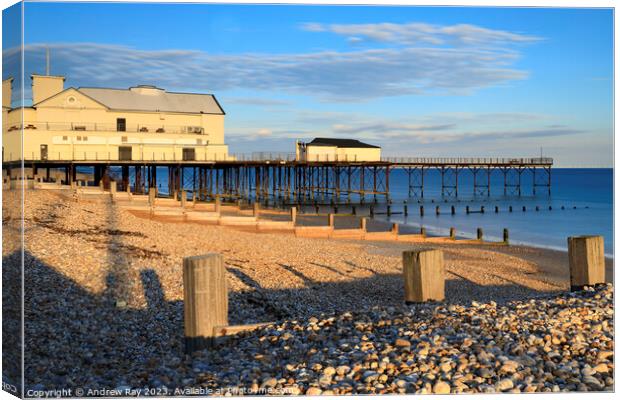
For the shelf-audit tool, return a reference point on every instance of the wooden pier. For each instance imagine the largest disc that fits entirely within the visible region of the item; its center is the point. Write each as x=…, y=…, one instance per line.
x=283, y=180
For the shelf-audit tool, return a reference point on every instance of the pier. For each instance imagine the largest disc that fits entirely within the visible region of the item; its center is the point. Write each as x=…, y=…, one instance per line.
x=280, y=178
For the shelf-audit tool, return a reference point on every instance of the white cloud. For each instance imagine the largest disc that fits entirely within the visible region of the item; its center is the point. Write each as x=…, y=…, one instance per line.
x=416, y=33
x=328, y=75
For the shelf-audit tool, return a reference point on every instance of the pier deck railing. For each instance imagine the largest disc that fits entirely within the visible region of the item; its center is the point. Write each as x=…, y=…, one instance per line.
x=468, y=160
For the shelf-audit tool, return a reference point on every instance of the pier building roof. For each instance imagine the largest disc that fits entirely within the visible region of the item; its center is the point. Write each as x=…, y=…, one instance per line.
x=342, y=143
x=151, y=98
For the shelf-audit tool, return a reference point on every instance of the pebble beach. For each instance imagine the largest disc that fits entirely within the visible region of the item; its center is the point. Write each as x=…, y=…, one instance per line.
x=104, y=311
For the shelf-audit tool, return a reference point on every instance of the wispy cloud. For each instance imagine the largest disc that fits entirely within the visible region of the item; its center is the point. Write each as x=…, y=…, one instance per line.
x=417, y=33
x=356, y=75
x=256, y=101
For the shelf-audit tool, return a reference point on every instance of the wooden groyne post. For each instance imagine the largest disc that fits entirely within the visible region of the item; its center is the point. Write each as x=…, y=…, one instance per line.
x=479, y=234
x=218, y=204
x=152, y=196
x=330, y=219
x=294, y=215
x=205, y=299
x=506, y=237
x=395, y=228
x=453, y=233
x=586, y=259
x=424, y=275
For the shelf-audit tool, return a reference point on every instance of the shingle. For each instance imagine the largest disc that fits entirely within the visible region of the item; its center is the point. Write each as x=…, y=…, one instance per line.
x=134, y=99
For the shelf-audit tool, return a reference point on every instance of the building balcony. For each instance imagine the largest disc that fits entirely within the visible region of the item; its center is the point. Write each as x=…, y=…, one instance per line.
x=106, y=127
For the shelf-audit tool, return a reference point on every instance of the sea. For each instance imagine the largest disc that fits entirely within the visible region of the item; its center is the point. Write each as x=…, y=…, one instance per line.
x=580, y=203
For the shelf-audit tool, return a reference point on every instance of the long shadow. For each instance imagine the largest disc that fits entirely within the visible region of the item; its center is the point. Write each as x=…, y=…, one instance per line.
x=75, y=338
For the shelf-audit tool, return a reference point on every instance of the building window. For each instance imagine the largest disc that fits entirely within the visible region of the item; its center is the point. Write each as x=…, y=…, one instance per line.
x=124, y=139
x=79, y=138
x=85, y=138
x=121, y=124
x=65, y=138
x=189, y=154
x=124, y=153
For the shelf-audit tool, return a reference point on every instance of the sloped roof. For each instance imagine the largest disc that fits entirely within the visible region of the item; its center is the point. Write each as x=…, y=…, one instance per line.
x=150, y=98
x=343, y=143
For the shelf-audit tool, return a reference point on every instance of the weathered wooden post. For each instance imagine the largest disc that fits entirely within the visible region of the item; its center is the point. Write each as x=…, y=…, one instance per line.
x=479, y=233
x=205, y=303
x=453, y=233
x=452, y=210
x=423, y=231
x=353, y=210
x=523, y=208
x=395, y=228
x=421, y=211
x=437, y=212
x=424, y=275
x=506, y=238
x=363, y=223
x=481, y=209
x=127, y=189
x=389, y=210
x=256, y=210
x=112, y=190
x=152, y=196
x=294, y=215
x=405, y=208
x=509, y=208
x=218, y=204
x=466, y=209
x=183, y=198
x=175, y=195
x=537, y=208
x=586, y=259
x=372, y=211
x=316, y=208
x=496, y=209
x=330, y=219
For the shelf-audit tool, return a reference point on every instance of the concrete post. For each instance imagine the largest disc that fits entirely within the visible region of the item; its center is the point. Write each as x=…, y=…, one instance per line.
x=424, y=275
x=183, y=198
x=586, y=258
x=112, y=188
x=205, y=299
x=294, y=215
x=330, y=219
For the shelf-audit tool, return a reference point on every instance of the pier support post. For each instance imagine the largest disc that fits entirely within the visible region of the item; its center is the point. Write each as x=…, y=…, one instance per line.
x=479, y=234
x=363, y=223
x=330, y=219
x=256, y=209
x=395, y=228
x=205, y=299
x=112, y=189
x=421, y=211
x=424, y=276
x=183, y=198
x=506, y=238
x=423, y=231
x=453, y=233
x=586, y=258
x=405, y=208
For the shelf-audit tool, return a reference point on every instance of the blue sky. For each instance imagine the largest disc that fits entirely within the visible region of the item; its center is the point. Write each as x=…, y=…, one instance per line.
x=418, y=81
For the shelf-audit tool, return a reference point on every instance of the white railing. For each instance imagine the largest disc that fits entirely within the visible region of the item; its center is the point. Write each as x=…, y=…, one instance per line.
x=469, y=160
x=106, y=127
